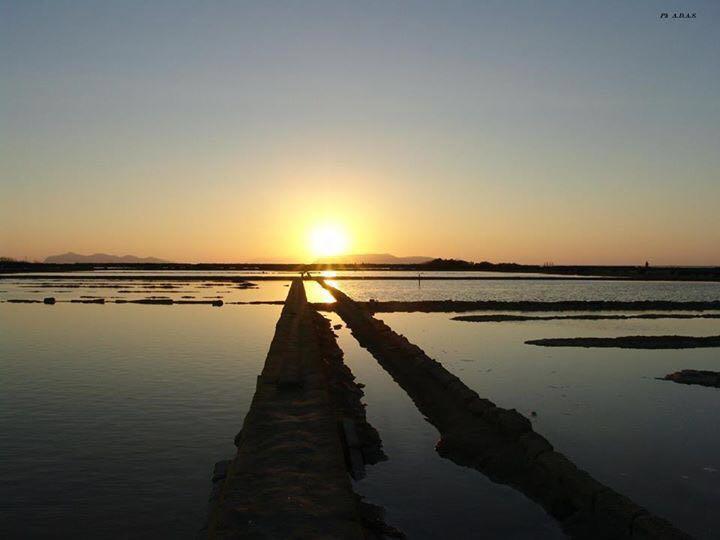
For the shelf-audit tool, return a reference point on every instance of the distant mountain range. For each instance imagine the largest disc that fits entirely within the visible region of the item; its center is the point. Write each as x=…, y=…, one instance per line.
x=372, y=258
x=360, y=258
x=99, y=258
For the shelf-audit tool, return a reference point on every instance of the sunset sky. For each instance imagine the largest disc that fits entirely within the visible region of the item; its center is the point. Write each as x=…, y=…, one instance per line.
x=565, y=131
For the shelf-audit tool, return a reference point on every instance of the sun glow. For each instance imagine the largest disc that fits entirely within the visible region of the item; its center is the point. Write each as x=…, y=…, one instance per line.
x=328, y=240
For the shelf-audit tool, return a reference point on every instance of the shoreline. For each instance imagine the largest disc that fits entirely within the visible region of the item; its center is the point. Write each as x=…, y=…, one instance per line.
x=649, y=273
x=631, y=342
x=290, y=277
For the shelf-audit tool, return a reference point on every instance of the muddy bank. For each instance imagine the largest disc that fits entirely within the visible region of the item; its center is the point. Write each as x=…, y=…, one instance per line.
x=290, y=477
x=498, y=442
x=169, y=302
x=520, y=318
x=694, y=376
x=632, y=342
x=158, y=301
x=259, y=303
x=429, y=306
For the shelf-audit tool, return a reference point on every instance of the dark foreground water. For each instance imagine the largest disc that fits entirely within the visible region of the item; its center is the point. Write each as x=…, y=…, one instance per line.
x=425, y=495
x=111, y=419
x=111, y=416
x=655, y=441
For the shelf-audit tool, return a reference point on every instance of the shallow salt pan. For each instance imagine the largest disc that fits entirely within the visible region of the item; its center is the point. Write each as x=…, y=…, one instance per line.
x=542, y=291
x=652, y=440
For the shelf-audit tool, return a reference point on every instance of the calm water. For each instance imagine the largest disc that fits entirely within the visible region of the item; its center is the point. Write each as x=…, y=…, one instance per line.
x=64, y=290
x=657, y=442
x=111, y=416
x=216, y=288
x=548, y=291
x=251, y=273
x=423, y=494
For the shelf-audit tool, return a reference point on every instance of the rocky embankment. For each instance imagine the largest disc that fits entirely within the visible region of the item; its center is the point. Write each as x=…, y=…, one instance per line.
x=632, y=342
x=429, y=306
x=290, y=477
x=498, y=442
x=362, y=441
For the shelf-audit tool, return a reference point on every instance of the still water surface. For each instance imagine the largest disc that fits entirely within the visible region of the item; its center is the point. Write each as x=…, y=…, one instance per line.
x=216, y=288
x=423, y=494
x=542, y=291
x=655, y=441
x=112, y=416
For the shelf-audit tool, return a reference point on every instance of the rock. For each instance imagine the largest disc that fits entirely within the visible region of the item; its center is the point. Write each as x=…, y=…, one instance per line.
x=512, y=423
x=647, y=526
x=478, y=406
x=618, y=512
x=220, y=470
x=350, y=433
x=534, y=444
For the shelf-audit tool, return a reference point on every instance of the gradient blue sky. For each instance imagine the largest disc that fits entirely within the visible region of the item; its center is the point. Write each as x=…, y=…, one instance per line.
x=576, y=132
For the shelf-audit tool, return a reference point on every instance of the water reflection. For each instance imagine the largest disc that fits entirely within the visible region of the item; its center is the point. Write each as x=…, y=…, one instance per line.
x=425, y=495
x=316, y=294
x=654, y=441
x=543, y=291
x=111, y=419
x=65, y=290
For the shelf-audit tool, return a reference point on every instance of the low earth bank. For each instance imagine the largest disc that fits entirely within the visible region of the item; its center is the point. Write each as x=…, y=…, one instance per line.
x=694, y=376
x=632, y=342
x=429, y=306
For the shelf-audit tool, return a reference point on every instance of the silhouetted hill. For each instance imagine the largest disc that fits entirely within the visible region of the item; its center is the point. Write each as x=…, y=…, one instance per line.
x=100, y=258
x=372, y=258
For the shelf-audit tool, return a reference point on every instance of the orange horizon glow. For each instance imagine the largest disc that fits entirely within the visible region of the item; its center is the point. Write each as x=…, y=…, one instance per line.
x=229, y=134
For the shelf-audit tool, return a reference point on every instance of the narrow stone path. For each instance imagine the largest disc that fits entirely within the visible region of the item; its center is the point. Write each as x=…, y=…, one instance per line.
x=289, y=478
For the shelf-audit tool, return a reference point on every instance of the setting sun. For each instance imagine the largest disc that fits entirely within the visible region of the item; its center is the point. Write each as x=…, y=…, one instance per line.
x=328, y=240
